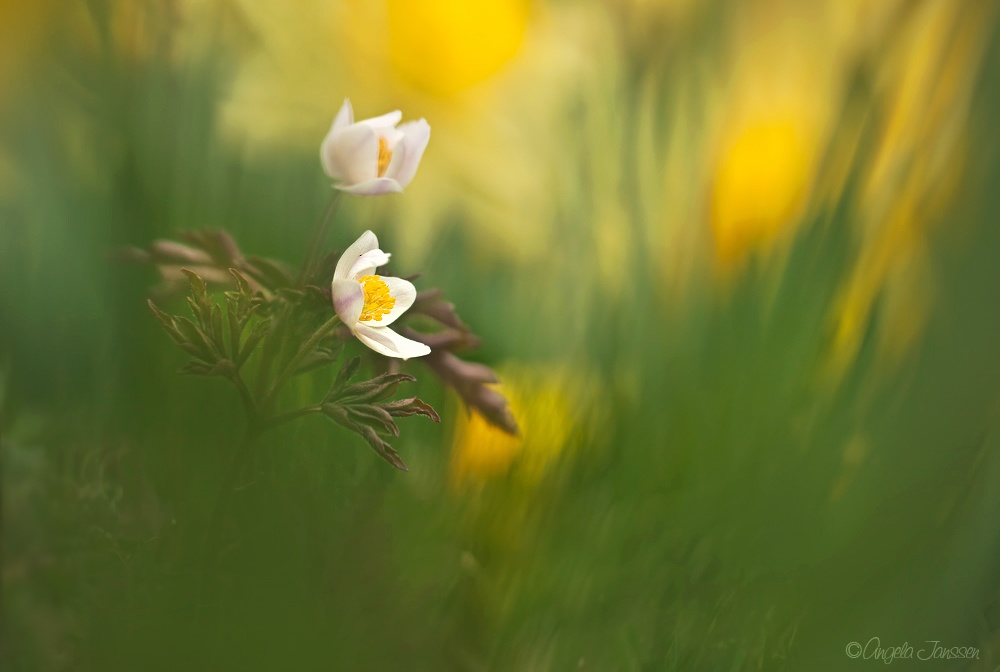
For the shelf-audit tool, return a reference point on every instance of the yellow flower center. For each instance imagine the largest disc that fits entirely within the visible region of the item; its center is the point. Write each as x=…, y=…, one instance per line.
x=377, y=299
x=384, y=157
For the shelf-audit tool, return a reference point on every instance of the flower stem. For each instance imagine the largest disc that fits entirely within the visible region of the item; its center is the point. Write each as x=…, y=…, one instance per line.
x=248, y=403
x=318, y=238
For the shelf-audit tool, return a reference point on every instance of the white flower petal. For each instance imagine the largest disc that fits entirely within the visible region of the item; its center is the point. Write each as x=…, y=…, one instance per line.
x=367, y=263
x=405, y=294
x=367, y=242
x=345, y=117
x=385, y=122
x=392, y=137
x=326, y=158
x=387, y=342
x=407, y=154
x=351, y=154
x=374, y=187
x=348, y=300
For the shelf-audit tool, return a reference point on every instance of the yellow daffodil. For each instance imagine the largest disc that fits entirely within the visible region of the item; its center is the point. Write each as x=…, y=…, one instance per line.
x=550, y=405
x=374, y=156
x=367, y=303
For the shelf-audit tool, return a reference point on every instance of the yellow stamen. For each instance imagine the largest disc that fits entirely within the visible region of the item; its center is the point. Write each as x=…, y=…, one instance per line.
x=377, y=299
x=384, y=157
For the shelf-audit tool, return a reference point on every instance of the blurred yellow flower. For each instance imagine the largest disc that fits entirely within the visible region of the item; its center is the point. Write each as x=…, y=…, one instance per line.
x=761, y=185
x=548, y=405
x=778, y=101
x=446, y=46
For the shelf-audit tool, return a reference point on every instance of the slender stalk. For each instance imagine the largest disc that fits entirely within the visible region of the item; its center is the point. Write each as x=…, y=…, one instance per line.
x=318, y=238
x=248, y=403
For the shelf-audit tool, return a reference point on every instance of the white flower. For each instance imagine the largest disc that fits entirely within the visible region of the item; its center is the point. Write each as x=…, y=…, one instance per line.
x=368, y=303
x=373, y=156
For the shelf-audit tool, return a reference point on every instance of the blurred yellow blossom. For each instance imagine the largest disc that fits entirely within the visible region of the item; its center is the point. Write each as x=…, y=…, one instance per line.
x=548, y=405
x=785, y=81
x=761, y=185
x=445, y=46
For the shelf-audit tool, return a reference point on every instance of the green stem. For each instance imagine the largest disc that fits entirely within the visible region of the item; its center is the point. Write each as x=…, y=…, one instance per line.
x=248, y=403
x=318, y=238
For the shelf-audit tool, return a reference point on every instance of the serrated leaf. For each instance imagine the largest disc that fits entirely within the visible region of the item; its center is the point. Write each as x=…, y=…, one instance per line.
x=384, y=450
x=344, y=376
x=198, y=290
x=243, y=295
x=235, y=328
x=217, y=336
x=471, y=381
x=196, y=337
x=242, y=285
x=197, y=312
x=193, y=350
x=411, y=406
x=253, y=340
x=319, y=358
x=195, y=368
x=374, y=417
x=339, y=415
x=167, y=322
x=376, y=389
x=343, y=418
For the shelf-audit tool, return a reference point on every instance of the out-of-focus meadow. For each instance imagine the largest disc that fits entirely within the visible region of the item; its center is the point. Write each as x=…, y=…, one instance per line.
x=736, y=263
